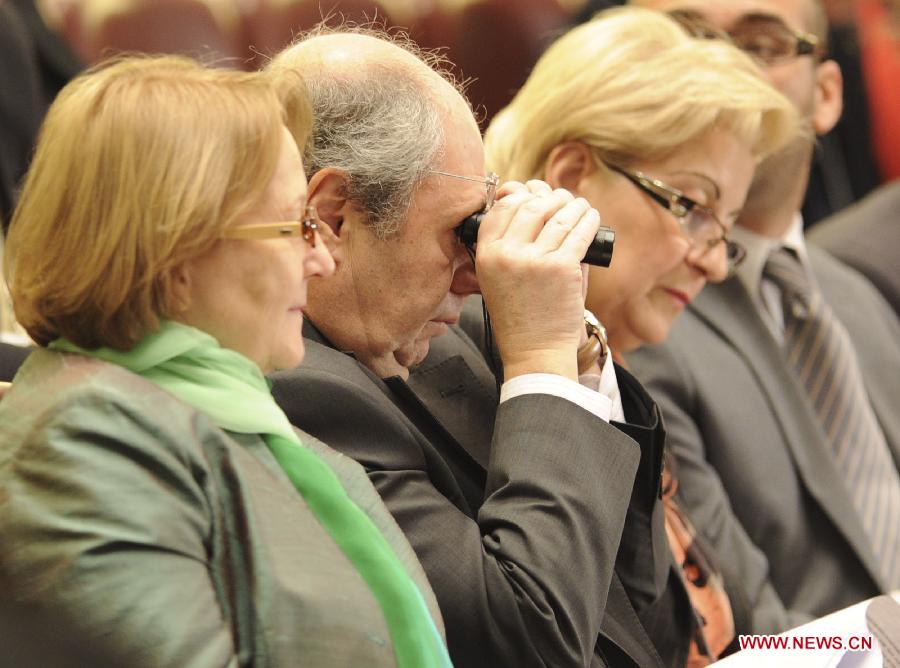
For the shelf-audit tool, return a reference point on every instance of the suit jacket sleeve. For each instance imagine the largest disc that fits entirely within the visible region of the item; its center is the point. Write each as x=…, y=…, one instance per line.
x=110, y=521
x=524, y=581
x=866, y=236
x=701, y=493
x=644, y=555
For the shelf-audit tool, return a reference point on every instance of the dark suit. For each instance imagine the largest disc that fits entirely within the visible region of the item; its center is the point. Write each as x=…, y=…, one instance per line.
x=867, y=237
x=753, y=462
x=21, y=105
x=34, y=64
x=11, y=358
x=516, y=512
x=843, y=167
x=57, y=62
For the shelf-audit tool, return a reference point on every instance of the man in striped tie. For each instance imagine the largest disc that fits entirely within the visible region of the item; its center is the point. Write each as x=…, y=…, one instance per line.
x=780, y=386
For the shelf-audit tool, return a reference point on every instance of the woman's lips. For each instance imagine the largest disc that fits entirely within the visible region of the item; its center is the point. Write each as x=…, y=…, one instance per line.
x=682, y=297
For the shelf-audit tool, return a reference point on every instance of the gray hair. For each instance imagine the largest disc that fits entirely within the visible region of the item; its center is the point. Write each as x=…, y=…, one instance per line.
x=384, y=131
x=381, y=123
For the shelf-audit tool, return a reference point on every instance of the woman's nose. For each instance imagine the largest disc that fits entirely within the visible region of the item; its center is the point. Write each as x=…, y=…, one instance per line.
x=712, y=261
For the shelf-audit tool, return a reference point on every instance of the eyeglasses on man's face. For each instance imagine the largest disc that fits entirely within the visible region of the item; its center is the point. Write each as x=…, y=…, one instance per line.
x=305, y=227
x=699, y=223
x=467, y=230
x=765, y=37
x=491, y=181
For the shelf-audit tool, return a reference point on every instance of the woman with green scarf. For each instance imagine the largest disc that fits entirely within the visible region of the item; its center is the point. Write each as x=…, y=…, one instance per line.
x=152, y=495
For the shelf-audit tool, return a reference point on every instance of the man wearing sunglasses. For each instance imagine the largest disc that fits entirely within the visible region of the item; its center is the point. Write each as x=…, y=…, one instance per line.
x=779, y=385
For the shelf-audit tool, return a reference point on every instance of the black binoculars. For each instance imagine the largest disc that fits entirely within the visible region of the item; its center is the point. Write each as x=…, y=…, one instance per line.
x=599, y=253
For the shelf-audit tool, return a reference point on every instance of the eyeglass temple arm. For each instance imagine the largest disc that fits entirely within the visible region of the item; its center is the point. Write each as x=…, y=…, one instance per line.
x=807, y=44
x=657, y=192
x=491, y=179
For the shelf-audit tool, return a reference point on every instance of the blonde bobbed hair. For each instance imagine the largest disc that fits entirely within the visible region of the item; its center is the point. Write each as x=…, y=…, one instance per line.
x=633, y=85
x=140, y=165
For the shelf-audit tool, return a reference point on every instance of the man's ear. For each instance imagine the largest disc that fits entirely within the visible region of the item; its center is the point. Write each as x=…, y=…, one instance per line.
x=567, y=165
x=327, y=191
x=829, y=97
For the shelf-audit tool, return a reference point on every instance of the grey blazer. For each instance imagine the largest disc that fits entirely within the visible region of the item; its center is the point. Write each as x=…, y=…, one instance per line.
x=516, y=511
x=867, y=237
x=753, y=464
x=165, y=541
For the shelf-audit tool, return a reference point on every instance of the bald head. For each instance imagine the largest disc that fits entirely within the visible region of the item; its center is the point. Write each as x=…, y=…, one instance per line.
x=381, y=106
x=364, y=54
x=351, y=53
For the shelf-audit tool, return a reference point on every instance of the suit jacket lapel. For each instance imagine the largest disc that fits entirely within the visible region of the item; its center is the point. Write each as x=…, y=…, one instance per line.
x=460, y=392
x=631, y=639
x=728, y=309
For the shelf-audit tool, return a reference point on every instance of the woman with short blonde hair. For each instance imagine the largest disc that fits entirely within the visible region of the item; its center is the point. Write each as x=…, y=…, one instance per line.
x=612, y=108
x=660, y=132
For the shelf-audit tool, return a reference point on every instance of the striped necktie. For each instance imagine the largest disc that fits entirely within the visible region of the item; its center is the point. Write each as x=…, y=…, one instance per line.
x=819, y=352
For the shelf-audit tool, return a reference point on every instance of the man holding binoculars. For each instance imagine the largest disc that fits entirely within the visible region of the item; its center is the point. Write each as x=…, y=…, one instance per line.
x=515, y=503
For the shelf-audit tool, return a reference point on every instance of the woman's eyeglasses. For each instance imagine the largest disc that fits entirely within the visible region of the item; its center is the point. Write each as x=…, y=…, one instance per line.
x=305, y=227
x=699, y=223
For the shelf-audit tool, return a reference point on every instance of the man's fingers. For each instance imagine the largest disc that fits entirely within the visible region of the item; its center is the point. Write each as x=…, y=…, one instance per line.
x=498, y=219
x=561, y=224
x=578, y=240
x=533, y=213
x=531, y=217
x=538, y=187
x=509, y=187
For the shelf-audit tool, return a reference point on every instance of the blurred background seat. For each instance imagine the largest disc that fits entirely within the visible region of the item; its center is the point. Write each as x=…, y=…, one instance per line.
x=433, y=25
x=274, y=23
x=497, y=42
x=209, y=32
x=492, y=44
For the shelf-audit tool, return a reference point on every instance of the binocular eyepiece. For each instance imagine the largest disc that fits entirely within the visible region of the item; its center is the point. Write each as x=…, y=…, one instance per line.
x=599, y=253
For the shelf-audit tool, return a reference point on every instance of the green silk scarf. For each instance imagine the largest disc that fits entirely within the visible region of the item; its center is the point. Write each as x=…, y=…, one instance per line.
x=232, y=391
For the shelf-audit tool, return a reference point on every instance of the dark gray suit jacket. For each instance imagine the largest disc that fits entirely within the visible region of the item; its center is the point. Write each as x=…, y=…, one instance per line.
x=516, y=512
x=753, y=463
x=867, y=237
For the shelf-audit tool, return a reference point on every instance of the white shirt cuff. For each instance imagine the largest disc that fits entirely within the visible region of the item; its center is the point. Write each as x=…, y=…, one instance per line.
x=608, y=385
x=564, y=388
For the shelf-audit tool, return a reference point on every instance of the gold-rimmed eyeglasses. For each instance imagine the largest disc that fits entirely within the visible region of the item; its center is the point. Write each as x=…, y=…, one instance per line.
x=305, y=227
x=699, y=223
